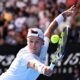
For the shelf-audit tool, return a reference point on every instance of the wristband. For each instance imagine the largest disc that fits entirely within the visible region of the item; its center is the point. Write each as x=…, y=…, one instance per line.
x=59, y=19
x=40, y=67
x=52, y=66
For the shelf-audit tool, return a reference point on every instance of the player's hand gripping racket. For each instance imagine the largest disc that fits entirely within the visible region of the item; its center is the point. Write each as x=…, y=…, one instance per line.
x=59, y=54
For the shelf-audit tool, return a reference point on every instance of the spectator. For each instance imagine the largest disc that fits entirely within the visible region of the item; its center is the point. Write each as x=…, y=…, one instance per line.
x=10, y=38
x=8, y=16
x=19, y=21
x=32, y=20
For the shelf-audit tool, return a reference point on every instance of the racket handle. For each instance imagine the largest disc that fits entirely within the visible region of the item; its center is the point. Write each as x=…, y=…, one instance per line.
x=52, y=66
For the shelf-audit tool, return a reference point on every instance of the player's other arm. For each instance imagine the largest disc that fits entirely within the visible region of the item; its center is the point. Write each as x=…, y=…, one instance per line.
x=40, y=67
x=57, y=21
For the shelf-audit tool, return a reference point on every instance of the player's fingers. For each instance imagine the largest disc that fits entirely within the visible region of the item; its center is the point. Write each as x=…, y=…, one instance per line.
x=48, y=71
x=71, y=9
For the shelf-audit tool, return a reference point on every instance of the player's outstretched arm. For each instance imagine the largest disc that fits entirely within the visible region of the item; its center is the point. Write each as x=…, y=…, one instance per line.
x=40, y=67
x=58, y=20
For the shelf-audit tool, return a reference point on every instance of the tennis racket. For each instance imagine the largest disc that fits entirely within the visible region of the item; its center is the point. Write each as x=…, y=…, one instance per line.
x=59, y=54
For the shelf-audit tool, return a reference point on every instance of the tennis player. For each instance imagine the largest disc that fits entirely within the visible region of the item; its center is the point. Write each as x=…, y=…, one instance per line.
x=30, y=60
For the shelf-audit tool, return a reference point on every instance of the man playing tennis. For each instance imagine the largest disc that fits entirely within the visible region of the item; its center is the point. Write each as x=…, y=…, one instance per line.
x=30, y=60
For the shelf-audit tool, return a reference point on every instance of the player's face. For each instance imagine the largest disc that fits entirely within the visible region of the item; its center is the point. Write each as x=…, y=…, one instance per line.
x=34, y=44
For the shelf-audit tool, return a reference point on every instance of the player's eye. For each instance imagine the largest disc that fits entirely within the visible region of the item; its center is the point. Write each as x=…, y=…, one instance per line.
x=37, y=41
x=31, y=41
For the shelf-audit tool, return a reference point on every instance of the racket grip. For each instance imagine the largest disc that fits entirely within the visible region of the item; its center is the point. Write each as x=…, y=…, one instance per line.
x=52, y=66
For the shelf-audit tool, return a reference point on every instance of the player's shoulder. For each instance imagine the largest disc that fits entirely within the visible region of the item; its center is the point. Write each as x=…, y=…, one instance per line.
x=23, y=50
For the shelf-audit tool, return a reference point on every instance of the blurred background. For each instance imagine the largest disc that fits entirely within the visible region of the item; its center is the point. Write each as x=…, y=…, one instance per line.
x=17, y=16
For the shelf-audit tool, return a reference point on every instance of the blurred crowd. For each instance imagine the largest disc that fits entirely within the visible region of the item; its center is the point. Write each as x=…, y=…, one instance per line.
x=16, y=16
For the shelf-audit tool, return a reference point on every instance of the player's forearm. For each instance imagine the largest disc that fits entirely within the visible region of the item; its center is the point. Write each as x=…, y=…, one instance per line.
x=50, y=29
x=54, y=25
x=40, y=67
x=58, y=20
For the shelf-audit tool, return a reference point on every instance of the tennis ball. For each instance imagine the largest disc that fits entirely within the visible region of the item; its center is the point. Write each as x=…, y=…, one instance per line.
x=54, y=38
